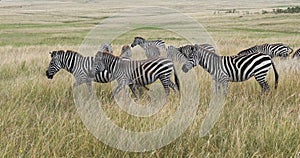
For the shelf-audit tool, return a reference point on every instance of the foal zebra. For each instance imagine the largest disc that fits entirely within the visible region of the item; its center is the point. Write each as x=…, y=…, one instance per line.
x=274, y=50
x=180, y=54
x=137, y=72
x=224, y=69
x=152, y=48
x=296, y=54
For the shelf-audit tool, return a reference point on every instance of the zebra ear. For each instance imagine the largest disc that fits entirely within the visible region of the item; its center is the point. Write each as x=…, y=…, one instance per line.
x=52, y=53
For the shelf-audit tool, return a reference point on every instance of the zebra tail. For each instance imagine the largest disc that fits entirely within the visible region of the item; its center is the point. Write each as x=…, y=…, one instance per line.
x=176, y=79
x=276, y=75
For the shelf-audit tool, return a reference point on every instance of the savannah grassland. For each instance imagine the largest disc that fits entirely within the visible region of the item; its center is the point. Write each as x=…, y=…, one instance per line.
x=38, y=117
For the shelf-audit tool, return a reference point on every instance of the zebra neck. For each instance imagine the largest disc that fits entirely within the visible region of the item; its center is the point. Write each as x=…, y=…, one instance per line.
x=209, y=61
x=71, y=63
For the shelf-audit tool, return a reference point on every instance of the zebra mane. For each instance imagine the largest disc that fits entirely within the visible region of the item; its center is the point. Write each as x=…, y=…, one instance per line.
x=197, y=47
x=141, y=38
x=110, y=55
x=62, y=52
x=151, y=41
x=265, y=44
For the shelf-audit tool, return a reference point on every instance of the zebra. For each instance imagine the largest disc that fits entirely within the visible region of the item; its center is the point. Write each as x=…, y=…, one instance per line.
x=180, y=54
x=274, y=50
x=238, y=68
x=152, y=48
x=296, y=55
x=137, y=72
x=126, y=53
x=79, y=66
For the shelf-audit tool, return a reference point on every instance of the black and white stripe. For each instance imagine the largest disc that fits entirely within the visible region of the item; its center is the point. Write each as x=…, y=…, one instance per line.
x=152, y=48
x=224, y=69
x=137, y=73
x=274, y=50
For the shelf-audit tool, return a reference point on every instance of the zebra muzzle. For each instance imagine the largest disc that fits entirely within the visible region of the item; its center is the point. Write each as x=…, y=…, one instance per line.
x=185, y=69
x=48, y=75
x=132, y=45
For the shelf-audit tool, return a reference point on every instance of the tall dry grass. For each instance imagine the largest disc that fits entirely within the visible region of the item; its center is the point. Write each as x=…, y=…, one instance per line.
x=38, y=117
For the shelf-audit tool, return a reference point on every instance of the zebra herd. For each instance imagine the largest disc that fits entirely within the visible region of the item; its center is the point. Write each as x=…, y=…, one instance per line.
x=106, y=67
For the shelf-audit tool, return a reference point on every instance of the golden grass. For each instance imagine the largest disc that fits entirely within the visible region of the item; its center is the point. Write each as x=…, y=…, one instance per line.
x=38, y=117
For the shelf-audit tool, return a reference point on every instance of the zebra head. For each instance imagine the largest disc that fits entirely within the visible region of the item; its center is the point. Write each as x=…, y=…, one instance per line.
x=186, y=50
x=137, y=41
x=280, y=50
x=55, y=64
x=192, y=59
x=106, y=47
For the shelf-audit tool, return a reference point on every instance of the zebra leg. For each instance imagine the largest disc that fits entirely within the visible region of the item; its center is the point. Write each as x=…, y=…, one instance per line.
x=145, y=88
x=265, y=88
x=165, y=82
x=117, y=90
x=89, y=84
x=221, y=87
x=132, y=88
x=173, y=86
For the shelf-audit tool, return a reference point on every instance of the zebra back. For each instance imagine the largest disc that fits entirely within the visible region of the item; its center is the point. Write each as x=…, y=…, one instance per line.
x=273, y=50
x=249, y=50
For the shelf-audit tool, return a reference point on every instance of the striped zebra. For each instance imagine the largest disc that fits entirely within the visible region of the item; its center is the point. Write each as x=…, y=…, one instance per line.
x=126, y=53
x=180, y=54
x=224, y=69
x=274, y=50
x=296, y=55
x=79, y=66
x=152, y=48
x=137, y=73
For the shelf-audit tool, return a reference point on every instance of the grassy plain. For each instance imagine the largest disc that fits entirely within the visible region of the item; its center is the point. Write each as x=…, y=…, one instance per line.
x=38, y=117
